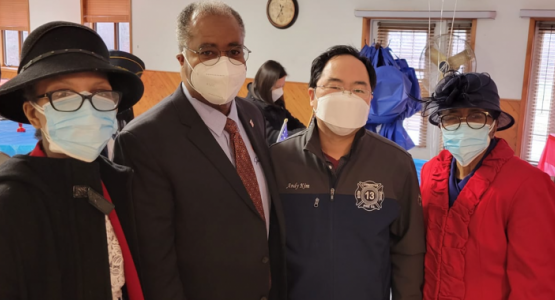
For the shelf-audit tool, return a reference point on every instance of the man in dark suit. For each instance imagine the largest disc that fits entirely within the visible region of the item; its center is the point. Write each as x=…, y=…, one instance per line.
x=209, y=220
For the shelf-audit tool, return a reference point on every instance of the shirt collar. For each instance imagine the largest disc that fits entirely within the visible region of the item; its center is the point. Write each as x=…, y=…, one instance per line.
x=312, y=140
x=461, y=183
x=212, y=117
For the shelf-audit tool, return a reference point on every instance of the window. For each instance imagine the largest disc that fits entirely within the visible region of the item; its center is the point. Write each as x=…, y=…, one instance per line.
x=110, y=18
x=114, y=35
x=408, y=39
x=12, y=42
x=540, y=113
x=14, y=26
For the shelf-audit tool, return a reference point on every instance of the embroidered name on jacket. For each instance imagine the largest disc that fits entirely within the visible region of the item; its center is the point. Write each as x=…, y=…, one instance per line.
x=369, y=195
x=296, y=186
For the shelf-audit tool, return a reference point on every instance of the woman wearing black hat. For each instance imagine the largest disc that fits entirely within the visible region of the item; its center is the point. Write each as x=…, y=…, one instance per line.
x=131, y=63
x=60, y=236
x=490, y=216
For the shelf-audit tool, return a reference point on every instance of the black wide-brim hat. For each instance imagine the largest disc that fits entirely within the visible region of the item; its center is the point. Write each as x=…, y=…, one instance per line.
x=468, y=90
x=127, y=61
x=61, y=48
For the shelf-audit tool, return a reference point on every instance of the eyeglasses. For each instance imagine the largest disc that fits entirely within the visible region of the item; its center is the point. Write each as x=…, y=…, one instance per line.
x=475, y=120
x=362, y=93
x=64, y=100
x=211, y=55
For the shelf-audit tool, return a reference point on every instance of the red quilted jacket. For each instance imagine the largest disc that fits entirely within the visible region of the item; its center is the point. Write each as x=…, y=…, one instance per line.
x=497, y=241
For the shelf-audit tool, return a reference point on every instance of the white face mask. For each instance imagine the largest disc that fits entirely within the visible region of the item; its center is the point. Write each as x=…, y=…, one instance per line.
x=276, y=94
x=220, y=83
x=343, y=113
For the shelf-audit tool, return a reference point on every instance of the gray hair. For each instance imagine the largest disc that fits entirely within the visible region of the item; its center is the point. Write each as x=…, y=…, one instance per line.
x=202, y=8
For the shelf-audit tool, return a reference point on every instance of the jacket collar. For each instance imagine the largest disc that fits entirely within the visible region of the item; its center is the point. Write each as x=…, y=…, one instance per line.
x=58, y=175
x=478, y=184
x=213, y=118
x=312, y=143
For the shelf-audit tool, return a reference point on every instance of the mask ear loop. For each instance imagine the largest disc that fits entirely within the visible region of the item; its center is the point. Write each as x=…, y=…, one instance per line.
x=191, y=74
x=37, y=107
x=44, y=130
x=492, y=126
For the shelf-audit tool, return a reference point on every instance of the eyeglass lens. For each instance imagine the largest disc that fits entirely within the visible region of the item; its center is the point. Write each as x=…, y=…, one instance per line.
x=474, y=121
x=69, y=101
x=210, y=55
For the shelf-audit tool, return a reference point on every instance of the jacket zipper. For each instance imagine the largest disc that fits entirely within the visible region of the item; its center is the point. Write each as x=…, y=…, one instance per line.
x=333, y=181
x=334, y=175
x=316, y=202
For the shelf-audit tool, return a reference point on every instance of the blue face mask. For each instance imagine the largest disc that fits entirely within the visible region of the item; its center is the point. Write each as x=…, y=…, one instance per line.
x=81, y=134
x=465, y=143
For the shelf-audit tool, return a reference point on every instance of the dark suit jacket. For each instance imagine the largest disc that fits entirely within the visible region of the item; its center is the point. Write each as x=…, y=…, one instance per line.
x=200, y=236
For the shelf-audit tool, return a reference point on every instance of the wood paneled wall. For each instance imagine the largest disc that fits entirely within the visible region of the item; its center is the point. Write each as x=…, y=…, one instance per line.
x=158, y=85
x=512, y=107
x=8, y=72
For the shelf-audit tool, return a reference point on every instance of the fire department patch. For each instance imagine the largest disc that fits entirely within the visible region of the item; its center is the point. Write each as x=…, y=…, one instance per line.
x=369, y=195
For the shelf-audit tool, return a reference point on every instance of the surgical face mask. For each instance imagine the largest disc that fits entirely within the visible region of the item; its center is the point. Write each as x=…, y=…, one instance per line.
x=465, y=143
x=343, y=113
x=81, y=134
x=276, y=94
x=219, y=83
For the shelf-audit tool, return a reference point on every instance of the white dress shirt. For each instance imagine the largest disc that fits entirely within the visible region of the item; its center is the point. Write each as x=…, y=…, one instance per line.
x=216, y=121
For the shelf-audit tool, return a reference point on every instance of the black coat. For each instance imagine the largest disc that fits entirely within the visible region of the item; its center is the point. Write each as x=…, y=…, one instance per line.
x=200, y=235
x=274, y=116
x=52, y=245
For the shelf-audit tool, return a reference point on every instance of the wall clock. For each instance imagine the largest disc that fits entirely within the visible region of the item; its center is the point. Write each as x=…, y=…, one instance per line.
x=282, y=13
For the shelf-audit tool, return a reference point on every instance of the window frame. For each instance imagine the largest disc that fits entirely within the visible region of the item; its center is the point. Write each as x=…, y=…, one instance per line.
x=527, y=87
x=366, y=39
x=9, y=72
x=115, y=21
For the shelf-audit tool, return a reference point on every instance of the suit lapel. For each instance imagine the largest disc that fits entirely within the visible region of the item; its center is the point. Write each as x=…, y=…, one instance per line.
x=202, y=138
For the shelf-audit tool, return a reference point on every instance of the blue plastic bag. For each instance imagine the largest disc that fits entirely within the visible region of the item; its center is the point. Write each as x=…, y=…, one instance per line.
x=411, y=75
x=391, y=103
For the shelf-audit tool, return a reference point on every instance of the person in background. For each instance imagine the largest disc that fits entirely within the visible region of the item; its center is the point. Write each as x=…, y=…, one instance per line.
x=266, y=91
x=60, y=236
x=490, y=215
x=131, y=63
x=209, y=219
x=354, y=222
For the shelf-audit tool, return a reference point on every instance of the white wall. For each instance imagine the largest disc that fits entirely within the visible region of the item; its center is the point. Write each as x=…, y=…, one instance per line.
x=500, y=43
x=41, y=11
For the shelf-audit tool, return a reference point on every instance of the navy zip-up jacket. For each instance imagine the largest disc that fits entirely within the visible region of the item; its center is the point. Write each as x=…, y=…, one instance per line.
x=355, y=233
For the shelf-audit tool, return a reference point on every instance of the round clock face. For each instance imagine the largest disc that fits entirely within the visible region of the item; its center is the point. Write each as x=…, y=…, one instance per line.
x=282, y=13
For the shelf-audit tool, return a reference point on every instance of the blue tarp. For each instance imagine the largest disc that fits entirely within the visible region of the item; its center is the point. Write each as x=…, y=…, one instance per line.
x=391, y=103
x=13, y=142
